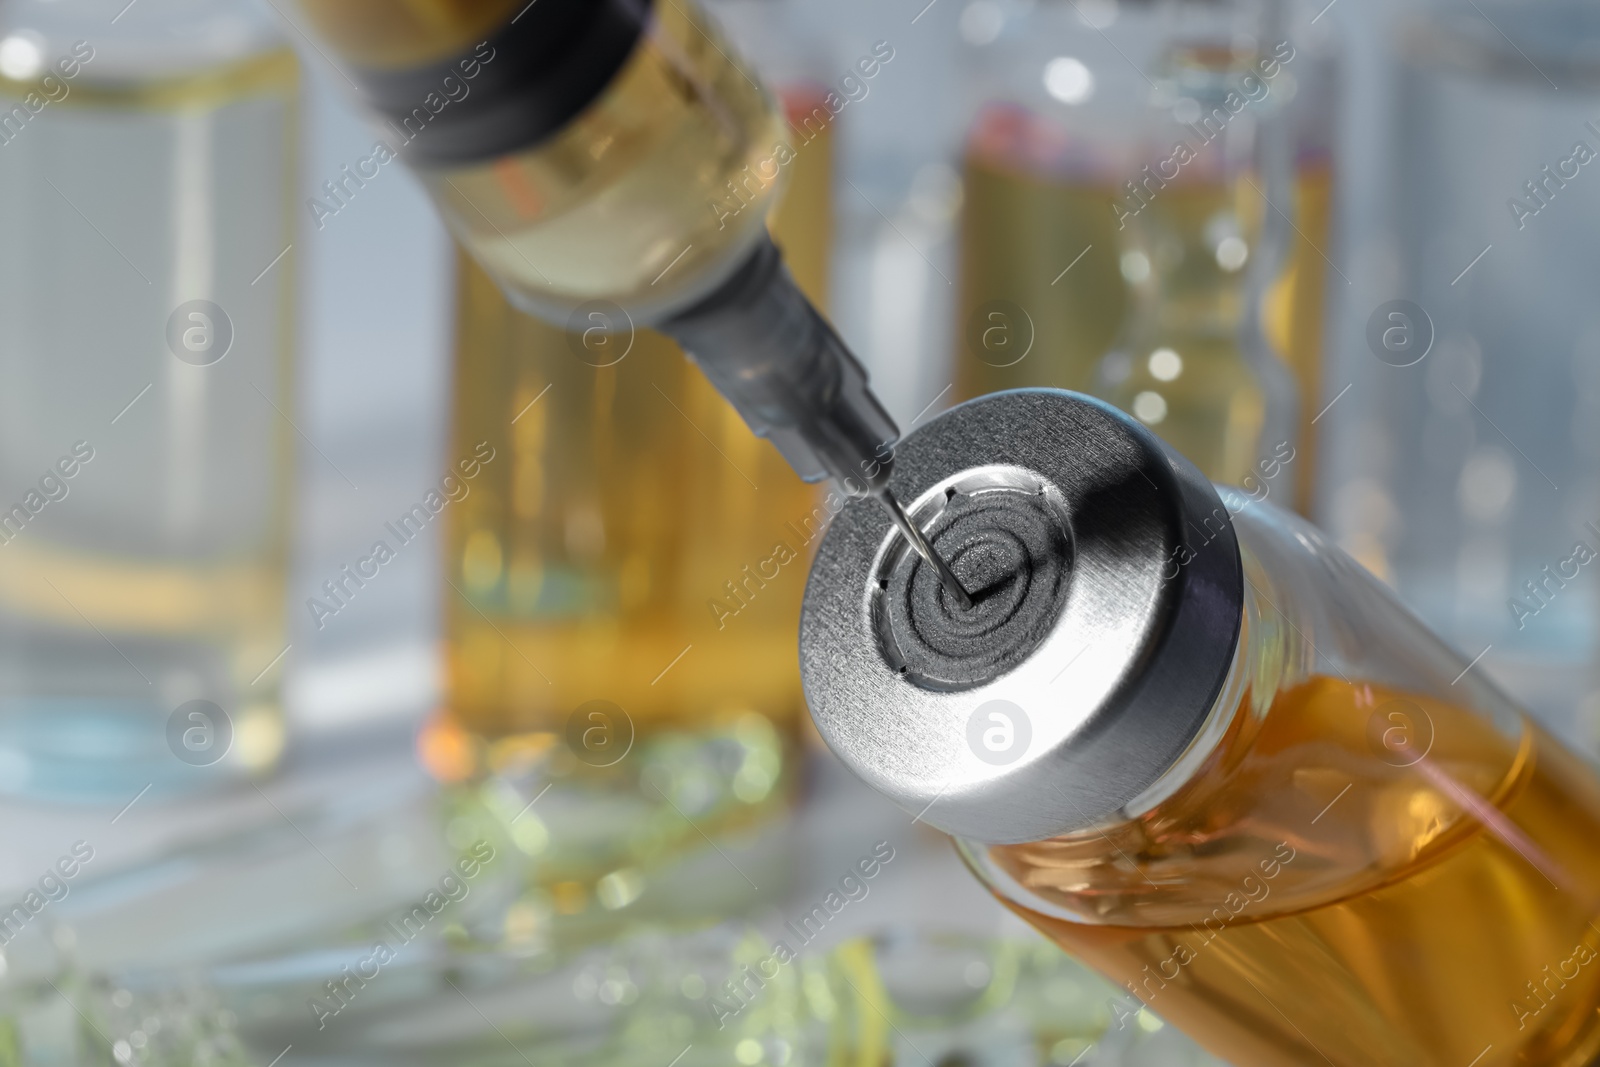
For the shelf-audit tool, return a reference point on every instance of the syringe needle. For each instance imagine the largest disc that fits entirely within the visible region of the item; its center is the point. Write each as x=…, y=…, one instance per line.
x=768, y=350
x=947, y=577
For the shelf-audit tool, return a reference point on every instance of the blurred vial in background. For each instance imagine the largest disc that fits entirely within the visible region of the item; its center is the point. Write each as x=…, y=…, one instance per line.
x=1040, y=169
x=1306, y=294
x=1471, y=480
x=627, y=571
x=1117, y=235
x=780, y=39
x=908, y=996
x=1191, y=361
x=147, y=168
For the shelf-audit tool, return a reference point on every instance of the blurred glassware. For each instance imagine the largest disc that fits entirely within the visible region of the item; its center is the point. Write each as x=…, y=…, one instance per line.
x=1471, y=477
x=781, y=39
x=1088, y=233
x=264, y=920
x=319, y=881
x=1308, y=292
x=147, y=175
x=903, y=997
x=1040, y=170
x=625, y=577
x=1201, y=246
x=230, y=949
x=952, y=998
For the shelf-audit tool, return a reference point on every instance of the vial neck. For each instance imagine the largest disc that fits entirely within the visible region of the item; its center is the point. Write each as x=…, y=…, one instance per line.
x=1230, y=704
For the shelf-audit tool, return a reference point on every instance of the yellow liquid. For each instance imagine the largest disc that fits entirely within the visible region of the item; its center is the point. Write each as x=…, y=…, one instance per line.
x=633, y=200
x=1209, y=404
x=592, y=559
x=383, y=34
x=1306, y=901
x=1018, y=232
x=159, y=577
x=1023, y=226
x=1293, y=316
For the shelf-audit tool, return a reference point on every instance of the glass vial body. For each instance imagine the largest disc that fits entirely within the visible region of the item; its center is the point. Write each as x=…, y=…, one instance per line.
x=1369, y=856
x=1046, y=146
x=147, y=161
x=1112, y=212
x=631, y=560
x=1466, y=462
x=1200, y=247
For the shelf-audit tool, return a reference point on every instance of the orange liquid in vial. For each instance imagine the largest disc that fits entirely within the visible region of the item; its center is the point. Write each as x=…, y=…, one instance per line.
x=1361, y=877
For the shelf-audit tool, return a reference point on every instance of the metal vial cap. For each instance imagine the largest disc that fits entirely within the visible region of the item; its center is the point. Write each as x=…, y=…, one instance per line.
x=1108, y=595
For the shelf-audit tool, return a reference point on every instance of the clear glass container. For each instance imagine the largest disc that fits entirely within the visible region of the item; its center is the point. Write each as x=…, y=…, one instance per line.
x=231, y=947
x=1468, y=474
x=147, y=181
x=1367, y=855
x=1191, y=361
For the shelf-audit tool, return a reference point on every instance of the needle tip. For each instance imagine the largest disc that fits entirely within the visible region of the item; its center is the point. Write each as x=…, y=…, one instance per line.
x=947, y=577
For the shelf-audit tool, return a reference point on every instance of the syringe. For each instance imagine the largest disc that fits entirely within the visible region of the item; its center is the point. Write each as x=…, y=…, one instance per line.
x=584, y=152
x=785, y=370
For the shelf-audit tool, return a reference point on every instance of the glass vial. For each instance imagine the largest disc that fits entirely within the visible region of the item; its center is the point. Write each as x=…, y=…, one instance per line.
x=147, y=162
x=1468, y=447
x=624, y=576
x=1208, y=754
x=627, y=565
x=1200, y=245
x=1116, y=231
